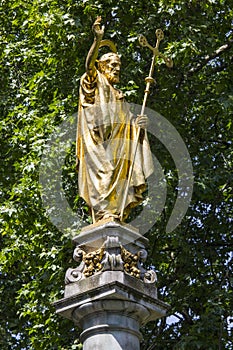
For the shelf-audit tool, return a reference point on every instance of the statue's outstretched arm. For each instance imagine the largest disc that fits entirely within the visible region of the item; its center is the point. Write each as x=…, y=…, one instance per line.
x=93, y=53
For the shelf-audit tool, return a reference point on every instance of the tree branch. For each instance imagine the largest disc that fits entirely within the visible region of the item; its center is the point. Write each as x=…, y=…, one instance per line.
x=210, y=57
x=187, y=317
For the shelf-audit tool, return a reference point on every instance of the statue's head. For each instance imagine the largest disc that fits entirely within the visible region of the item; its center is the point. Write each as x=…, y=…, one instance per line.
x=110, y=64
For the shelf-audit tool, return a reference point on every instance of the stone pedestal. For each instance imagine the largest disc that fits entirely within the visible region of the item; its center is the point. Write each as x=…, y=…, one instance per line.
x=109, y=295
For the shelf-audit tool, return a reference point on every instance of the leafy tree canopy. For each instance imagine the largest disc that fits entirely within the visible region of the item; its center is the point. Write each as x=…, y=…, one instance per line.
x=43, y=50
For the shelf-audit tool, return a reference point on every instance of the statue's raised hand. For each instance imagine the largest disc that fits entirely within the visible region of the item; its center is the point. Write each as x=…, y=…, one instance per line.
x=97, y=30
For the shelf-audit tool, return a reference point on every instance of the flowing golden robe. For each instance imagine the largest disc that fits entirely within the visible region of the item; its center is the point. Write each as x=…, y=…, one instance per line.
x=106, y=137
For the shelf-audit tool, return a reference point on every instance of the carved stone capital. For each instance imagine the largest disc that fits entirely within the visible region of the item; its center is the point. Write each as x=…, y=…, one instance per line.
x=111, y=256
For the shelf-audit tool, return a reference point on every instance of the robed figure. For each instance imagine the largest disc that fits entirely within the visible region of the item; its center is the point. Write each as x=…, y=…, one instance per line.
x=106, y=137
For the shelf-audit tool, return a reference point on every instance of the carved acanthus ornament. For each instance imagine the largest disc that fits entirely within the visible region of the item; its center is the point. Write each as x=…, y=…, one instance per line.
x=112, y=256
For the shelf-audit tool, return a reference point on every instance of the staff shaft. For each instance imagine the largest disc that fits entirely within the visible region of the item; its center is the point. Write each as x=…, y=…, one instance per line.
x=149, y=80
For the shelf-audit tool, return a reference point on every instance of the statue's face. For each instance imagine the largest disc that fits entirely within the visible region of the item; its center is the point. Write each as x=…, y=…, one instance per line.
x=111, y=69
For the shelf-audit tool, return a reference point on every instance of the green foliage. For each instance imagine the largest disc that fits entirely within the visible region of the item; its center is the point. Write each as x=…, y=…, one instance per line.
x=43, y=49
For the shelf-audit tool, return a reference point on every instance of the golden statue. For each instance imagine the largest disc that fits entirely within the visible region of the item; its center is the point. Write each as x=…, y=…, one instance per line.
x=106, y=136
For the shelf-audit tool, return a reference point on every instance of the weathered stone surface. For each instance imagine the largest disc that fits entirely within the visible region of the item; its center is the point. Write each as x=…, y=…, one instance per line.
x=100, y=248
x=112, y=302
x=110, y=307
x=114, y=285
x=110, y=324
x=108, y=278
x=93, y=236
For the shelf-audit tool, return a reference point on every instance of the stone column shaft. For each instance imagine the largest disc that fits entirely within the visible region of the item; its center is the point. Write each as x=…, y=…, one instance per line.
x=109, y=324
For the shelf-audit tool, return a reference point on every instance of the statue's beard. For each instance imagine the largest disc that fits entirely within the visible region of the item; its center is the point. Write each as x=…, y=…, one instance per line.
x=113, y=77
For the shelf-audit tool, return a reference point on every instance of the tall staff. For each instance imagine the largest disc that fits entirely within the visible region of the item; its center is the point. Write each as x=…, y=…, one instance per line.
x=149, y=80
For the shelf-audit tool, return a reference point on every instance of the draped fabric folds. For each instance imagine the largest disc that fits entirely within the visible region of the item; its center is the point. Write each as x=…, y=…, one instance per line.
x=106, y=137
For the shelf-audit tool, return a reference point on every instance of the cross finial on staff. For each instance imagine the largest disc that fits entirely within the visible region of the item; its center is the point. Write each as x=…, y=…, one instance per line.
x=160, y=36
x=156, y=53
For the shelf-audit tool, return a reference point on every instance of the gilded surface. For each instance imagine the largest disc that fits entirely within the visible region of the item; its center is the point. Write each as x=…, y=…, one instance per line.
x=130, y=262
x=111, y=256
x=107, y=132
x=93, y=262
